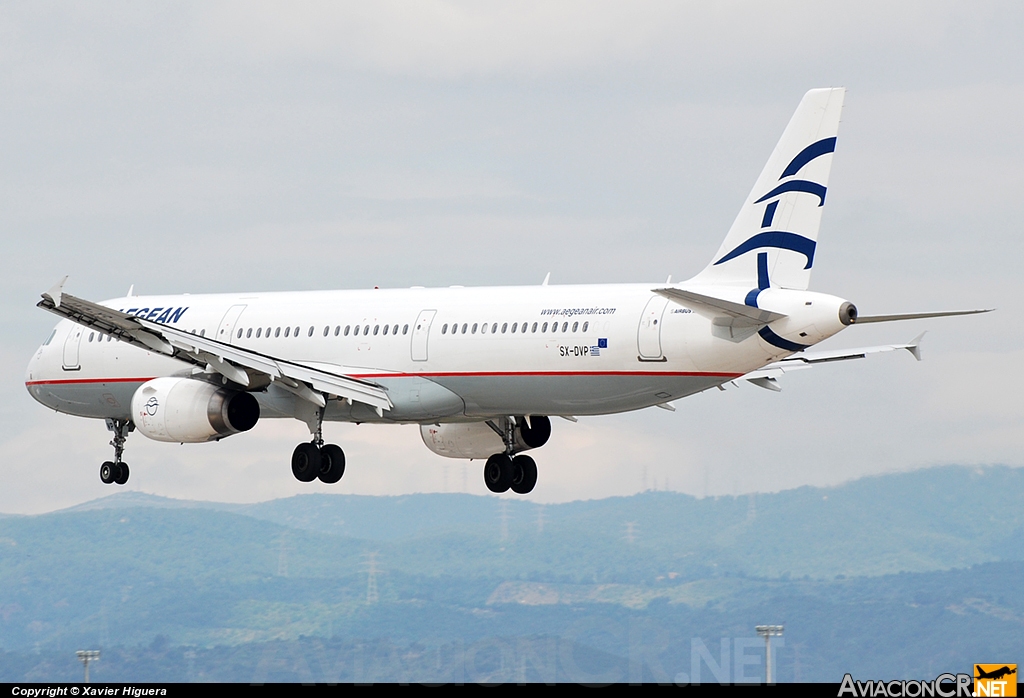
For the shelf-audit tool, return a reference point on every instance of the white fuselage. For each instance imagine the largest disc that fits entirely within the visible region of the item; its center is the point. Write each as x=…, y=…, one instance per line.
x=443, y=355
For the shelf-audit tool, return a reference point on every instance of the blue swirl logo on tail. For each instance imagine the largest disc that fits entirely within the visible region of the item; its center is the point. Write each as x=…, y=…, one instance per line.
x=778, y=238
x=775, y=238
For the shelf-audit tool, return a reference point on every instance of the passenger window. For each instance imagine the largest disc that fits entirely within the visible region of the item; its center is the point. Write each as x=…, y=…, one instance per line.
x=386, y=328
x=444, y=328
x=494, y=328
x=376, y=328
x=483, y=330
x=565, y=326
x=464, y=326
x=248, y=333
x=310, y=333
x=366, y=330
x=327, y=330
x=585, y=326
x=405, y=329
x=505, y=327
x=277, y=332
x=202, y=333
x=355, y=332
x=474, y=328
x=514, y=326
x=287, y=331
x=535, y=327
x=542, y=329
x=258, y=332
x=268, y=333
x=239, y=335
x=394, y=330
x=91, y=335
x=337, y=330
x=346, y=330
x=575, y=325
x=296, y=331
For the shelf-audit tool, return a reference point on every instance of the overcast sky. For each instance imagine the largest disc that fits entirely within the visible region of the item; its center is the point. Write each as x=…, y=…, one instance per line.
x=256, y=146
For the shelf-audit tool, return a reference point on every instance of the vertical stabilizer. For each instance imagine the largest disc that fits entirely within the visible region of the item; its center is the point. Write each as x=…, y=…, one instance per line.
x=782, y=214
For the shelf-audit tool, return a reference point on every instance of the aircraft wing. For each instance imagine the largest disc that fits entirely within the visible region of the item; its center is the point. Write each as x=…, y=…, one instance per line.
x=248, y=368
x=766, y=376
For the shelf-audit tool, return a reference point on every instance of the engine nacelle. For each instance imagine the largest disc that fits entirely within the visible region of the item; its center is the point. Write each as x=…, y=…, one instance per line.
x=183, y=410
x=479, y=440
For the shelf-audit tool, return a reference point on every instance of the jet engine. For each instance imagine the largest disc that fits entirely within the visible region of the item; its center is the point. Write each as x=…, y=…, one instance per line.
x=479, y=440
x=184, y=410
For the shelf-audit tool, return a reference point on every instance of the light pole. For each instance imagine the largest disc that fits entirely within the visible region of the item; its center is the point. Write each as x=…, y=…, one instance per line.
x=766, y=631
x=86, y=656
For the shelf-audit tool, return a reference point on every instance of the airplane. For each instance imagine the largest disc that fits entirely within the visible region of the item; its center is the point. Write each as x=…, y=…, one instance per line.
x=481, y=370
x=995, y=674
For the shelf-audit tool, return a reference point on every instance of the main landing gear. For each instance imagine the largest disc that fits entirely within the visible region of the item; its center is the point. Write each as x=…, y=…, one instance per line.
x=504, y=471
x=117, y=470
x=318, y=460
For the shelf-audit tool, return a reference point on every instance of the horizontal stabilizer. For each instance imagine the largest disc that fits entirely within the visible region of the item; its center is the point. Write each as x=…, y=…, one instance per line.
x=716, y=307
x=863, y=319
x=766, y=382
x=808, y=359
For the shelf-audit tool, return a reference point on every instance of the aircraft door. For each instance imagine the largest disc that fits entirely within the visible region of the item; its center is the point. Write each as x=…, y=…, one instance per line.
x=648, y=336
x=226, y=331
x=421, y=333
x=71, y=345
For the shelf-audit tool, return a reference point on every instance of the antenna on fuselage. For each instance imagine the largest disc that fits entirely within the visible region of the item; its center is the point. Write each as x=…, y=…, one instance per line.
x=546, y=280
x=131, y=291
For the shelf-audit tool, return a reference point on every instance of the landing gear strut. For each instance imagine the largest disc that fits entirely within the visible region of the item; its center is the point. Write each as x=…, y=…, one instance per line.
x=504, y=471
x=318, y=460
x=117, y=470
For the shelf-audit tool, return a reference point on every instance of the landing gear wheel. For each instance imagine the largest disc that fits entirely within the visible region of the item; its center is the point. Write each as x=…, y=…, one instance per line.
x=108, y=472
x=306, y=462
x=498, y=472
x=122, y=473
x=332, y=463
x=524, y=474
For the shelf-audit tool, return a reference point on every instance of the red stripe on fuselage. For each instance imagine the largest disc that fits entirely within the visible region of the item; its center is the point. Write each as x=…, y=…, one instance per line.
x=71, y=381
x=452, y=374
x=476, y=374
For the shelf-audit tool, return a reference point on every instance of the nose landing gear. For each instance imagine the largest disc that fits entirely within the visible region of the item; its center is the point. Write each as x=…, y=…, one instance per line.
x=116, y=471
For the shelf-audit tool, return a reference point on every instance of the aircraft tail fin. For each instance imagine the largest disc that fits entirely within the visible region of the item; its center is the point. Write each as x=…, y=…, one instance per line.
x=773, y=239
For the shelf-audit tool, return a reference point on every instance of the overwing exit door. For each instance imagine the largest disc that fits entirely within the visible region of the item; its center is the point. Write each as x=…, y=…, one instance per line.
x=225, y=333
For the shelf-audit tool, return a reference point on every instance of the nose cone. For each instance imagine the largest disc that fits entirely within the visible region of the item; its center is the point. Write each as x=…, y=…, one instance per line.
x=32, y=369
x=31, y=375
x=36, y=371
